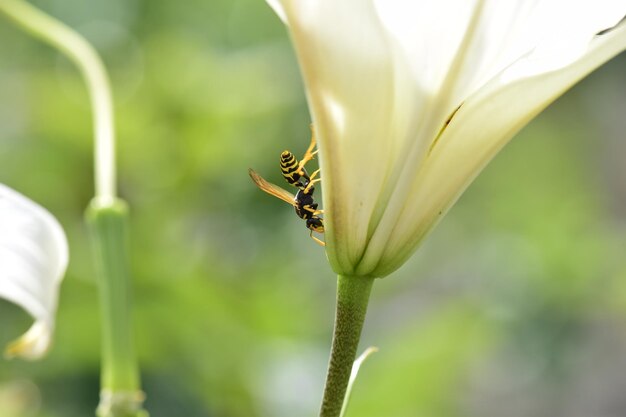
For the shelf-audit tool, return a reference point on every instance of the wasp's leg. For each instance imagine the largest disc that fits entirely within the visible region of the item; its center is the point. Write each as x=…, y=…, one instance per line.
x=319, y=242
x=311, y=181
x=314, y=174
x=310, y=184
x=309, y=154
x=313, y=210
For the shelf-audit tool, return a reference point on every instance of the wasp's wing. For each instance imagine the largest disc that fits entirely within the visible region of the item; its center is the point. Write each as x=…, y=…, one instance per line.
x=272, y=189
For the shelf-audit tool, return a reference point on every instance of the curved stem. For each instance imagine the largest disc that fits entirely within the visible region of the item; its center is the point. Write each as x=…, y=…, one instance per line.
x=352, y=298
x=76, y=48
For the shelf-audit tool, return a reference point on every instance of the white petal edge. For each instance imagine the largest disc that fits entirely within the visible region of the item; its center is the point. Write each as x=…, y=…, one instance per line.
x=33, y=258
x=483, y=125
x=278, y=9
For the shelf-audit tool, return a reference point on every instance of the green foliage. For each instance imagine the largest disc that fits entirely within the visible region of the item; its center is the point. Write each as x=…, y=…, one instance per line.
x=513, y=303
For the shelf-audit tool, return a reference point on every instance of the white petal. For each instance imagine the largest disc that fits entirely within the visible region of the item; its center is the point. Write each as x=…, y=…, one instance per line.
x=459, y=45
x=483, y=125
x=348, y=67
x=429, y=33
x=33, y=260
x=278, y=9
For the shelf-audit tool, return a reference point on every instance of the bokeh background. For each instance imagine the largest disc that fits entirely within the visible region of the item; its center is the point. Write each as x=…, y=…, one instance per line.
x=515, y=305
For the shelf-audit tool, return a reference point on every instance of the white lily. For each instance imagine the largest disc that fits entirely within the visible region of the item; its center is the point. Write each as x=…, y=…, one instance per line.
x=33, y=260
x=411, y=99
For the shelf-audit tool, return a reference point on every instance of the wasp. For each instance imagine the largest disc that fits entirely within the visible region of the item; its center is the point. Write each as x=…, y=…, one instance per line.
x=295, y=174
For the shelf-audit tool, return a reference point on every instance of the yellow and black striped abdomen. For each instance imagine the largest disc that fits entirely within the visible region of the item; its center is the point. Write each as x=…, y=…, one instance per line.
x=289, y=168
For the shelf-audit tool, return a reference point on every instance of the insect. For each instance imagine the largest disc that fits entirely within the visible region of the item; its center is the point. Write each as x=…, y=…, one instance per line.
x=294, y=171
x=303, y=202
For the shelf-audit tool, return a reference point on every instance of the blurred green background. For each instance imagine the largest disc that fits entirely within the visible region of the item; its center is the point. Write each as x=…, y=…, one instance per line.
x=515, y=306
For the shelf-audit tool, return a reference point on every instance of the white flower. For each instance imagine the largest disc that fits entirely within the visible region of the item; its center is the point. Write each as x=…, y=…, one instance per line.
x=411, y=99
x=33, y=259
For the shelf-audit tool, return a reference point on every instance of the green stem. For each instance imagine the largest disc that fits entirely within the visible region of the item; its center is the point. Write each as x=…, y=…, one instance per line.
x=352, y=298
x=121, y=394
x=77, y=49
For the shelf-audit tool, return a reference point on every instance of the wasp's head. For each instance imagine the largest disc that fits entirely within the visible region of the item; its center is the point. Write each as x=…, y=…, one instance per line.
x=316, y=224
